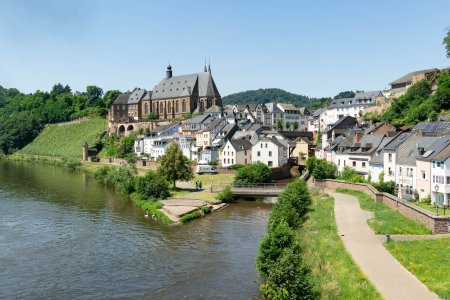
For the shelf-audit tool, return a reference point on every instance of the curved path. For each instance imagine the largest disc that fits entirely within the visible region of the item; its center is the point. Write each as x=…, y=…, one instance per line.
x=389, y=277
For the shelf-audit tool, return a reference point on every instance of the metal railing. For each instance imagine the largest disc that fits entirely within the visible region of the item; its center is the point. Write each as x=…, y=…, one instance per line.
x=252, y=186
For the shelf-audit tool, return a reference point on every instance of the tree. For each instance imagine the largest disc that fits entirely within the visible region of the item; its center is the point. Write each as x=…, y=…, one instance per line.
x=94, y=95
x=345, y=94
x=324, y=170
x=446, y=42
x=254, y=173
x=110, y=97
x=152, y=186
x=279, y=124
x=288, y=125
x=174, y=165
x=295, y=125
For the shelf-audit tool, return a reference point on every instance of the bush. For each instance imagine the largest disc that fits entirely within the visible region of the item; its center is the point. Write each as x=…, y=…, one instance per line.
x=255, y=173
x=235, y=167
x=121, y=179
x=225, y=196
x=426, y=200
x=152, y=186
x=349, y=174
x=292, y=205
x=71, y=163
x=386, y=187
x=311, y=164
x=324, y=170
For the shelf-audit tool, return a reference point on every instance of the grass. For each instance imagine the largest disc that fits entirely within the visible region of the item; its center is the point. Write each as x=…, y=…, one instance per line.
x=335, y=274
x=202, y=211
x=428, y=260
x=65, y=140
x=152, y=207
x=215, y=178
x=432, y=208
x=386, y=220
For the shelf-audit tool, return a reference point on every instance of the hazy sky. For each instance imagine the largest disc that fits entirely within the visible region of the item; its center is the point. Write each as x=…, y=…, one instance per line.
x=315, y=48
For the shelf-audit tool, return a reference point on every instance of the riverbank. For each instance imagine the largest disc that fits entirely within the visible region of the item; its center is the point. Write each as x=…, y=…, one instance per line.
x=169, y=210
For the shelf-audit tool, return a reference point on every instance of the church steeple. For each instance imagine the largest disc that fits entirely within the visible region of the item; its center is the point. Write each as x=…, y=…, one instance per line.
x=209, y=66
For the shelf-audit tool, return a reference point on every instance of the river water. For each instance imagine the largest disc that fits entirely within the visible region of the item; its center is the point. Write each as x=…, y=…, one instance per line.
x=64, y=236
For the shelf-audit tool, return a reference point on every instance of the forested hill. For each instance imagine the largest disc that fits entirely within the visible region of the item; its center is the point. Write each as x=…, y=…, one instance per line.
x=271, y=95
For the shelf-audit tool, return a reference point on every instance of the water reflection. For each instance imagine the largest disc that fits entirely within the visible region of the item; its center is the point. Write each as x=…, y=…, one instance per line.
x=65, y=236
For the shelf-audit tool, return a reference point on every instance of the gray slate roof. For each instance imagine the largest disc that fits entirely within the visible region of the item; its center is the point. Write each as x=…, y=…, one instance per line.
x=437, y=127
x=122, y=99
x=368, y=95
x=408, y=77
x=214, y=109
x=185, y=85
x=407, y=151
x=136, y=96
x=241, y=144
x=198, y=119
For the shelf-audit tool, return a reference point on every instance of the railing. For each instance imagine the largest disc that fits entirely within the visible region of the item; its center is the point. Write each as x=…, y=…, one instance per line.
x=252, y=186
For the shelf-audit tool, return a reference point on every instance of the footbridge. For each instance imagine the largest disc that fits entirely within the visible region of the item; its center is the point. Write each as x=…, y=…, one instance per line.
x=255, y=189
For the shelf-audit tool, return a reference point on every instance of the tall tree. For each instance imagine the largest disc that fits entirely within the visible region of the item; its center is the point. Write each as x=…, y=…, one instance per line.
x=446, y=42
x=175, y=166
x=288, y=125
x=109, y=97
x=279, y=124
x=94, y=95
x=295, y=125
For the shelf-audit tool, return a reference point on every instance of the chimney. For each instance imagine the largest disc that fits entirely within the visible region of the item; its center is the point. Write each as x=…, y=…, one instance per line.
x=421, y=151
x=357, y=138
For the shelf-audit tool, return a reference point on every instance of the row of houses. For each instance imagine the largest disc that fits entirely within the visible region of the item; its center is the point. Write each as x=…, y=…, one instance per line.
x=417, y=159
x=208, y=137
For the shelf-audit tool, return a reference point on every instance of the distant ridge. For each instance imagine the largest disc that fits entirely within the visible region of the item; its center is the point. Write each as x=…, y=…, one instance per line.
x=268, y=95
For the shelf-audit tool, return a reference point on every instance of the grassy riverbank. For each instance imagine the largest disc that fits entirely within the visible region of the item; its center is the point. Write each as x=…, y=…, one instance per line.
x=386, y=220
x=335, y=274
x=151, y=206
x=428, y=260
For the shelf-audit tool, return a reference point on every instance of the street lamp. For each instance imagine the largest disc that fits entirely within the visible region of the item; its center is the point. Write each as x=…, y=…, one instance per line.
x=436, y=189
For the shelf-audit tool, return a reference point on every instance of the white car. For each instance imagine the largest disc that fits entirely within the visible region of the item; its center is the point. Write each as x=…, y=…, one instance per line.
x=204, y=169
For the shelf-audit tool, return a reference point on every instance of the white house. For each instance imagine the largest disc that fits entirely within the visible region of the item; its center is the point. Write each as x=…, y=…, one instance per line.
x=270, y=151
x=235, y=152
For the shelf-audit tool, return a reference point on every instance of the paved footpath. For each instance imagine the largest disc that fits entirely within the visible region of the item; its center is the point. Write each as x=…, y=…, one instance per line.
x=389, y=277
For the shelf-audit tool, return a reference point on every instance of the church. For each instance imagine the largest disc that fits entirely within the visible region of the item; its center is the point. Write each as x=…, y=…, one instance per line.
x=172, y=97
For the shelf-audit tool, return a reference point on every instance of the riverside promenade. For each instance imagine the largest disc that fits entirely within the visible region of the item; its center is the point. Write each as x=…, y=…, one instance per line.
x=389, y=277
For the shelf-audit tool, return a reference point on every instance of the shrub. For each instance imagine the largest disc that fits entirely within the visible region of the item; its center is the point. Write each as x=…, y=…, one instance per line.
x=349, y=174
x=121, y=179
x=235, y=167
x=311, y=164
x=225, y=196
x=152, y=186
x=324, y=170
x=292, y=205
x=255, y=173
x=426, y=200
x=386, y=187
x=71, y=163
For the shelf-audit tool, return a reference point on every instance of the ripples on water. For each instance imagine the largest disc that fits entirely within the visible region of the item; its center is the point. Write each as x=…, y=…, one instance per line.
x=64, y=236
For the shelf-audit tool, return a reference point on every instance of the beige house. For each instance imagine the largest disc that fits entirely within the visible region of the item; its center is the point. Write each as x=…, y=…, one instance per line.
x=301, y=149
x=235, y=152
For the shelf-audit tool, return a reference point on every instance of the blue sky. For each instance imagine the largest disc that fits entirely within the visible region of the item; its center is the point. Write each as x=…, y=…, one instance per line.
x=315, y=48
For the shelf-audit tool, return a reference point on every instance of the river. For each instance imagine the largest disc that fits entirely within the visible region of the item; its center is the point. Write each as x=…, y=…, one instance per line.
x=64, y=236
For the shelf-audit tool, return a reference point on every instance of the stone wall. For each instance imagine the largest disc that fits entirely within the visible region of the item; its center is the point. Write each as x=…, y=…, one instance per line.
x=438, y=224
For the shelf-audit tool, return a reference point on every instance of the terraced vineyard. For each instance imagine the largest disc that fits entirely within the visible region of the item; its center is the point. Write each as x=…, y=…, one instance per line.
x=65, y=140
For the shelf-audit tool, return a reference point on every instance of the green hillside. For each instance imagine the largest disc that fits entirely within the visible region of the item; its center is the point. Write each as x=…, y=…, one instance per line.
x=272, y=95
x=66, y=140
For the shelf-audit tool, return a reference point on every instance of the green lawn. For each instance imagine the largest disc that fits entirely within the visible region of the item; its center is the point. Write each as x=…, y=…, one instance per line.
x=65, y=140
x=386, y=220
x=216, y=178
x=432, y=208
x=428, y=260
x=335, y=274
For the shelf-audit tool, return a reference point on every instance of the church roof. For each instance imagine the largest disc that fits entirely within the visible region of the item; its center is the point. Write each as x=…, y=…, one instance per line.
x=186, y=85
x=136, y=96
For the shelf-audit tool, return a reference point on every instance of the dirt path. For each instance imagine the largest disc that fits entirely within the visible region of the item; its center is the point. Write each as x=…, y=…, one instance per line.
x=390, y=278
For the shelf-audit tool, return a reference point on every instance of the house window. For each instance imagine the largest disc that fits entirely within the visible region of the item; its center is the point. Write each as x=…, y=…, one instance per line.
x=266, y=145
x=438, y=164
x=245, y=161
x=354, y=164
x=339, y=162
x=224, y=161
x=422, y=172
x=245, y=152
x=228, y=161
x=258, y=154
x=400, y=171
x=390, y=156
x=232, y=161
x=448, y=180
x=363, y=164
x=183, y=106
x=270, y=163
x=390, y=171
x=270, y=153
x=261, y=145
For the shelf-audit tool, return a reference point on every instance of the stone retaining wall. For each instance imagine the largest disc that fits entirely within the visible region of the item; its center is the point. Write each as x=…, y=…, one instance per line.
x=438, y=224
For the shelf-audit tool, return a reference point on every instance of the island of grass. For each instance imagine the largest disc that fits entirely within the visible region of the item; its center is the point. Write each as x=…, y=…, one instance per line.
x=334, y=272
x=428, y=260
x=386, y=220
